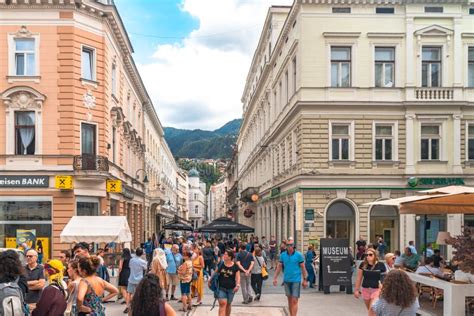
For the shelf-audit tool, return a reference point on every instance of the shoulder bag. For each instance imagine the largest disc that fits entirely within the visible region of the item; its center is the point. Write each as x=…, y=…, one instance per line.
x=264, y=270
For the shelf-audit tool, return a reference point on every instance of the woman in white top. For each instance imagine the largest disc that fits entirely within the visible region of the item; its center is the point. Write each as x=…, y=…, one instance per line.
x=75, y=278
x=464, y=274
x=256, y=278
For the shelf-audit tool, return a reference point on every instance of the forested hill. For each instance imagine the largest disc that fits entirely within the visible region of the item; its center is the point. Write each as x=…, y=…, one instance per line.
x=199, y=143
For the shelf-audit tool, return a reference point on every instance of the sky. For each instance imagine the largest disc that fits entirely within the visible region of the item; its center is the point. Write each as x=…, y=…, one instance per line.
x=194, y=55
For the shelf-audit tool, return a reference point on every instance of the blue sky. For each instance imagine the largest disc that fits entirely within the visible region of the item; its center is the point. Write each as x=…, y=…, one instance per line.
x=194, y=55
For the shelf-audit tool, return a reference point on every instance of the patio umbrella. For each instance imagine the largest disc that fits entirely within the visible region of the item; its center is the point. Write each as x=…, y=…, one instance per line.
x=225, y=225
x=176, y=225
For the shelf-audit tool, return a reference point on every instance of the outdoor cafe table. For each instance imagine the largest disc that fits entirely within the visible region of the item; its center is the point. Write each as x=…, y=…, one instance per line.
x=454, y=294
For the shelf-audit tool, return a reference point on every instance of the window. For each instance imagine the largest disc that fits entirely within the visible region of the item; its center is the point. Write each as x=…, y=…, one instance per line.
x=384, y=142
x=87, y=206
x=431, y=67
x=385, y=10
x=430, y=142
x=196, y=209
x=340, y=141
x=88, y=139
x=471, y=11
x=88, y=63
x=384, y=67
x=340, y=66
x=294, y=75
x=287, y=87
x=114, y=80
x=195, y=196
x=24, y=133
x=470, y=67
x=470, y=141
x=25, y=63
x=433, y=9
x=341, y=10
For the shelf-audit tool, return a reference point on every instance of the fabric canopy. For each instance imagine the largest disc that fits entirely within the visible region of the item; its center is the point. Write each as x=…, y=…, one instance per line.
x=225, y=225
x=176, y=225
x=97, y=229
x=446, y=200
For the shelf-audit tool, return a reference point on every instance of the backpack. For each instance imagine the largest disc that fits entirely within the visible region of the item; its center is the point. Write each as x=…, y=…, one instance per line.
x=11, y=299
x=103, y=273
x=214, y=283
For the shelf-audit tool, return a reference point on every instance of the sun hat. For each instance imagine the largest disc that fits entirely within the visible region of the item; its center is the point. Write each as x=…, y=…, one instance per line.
x=160, y=255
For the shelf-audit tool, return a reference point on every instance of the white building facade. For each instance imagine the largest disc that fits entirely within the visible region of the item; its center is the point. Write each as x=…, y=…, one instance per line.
x=217, y=204
x=197, y=199
x=338, y=113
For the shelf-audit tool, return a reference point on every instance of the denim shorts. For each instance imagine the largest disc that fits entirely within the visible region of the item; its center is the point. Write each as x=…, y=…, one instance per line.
x=185, y=288
x=226, y=294
x=292, y=289
x=131, y=287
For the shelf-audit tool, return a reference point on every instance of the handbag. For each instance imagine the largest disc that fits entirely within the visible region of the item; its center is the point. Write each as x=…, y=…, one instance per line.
x=264, y=270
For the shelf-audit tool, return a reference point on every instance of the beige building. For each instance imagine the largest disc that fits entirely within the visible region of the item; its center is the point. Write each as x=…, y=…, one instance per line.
x=339, y=111
x=183, y=194
x=73, y=105
x=216, y=200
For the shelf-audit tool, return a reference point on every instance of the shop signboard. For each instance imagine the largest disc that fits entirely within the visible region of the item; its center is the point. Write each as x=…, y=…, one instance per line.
x=114, y=186
x=24, y=181
x=63, y=182
x=128, y=193
x=335, y=261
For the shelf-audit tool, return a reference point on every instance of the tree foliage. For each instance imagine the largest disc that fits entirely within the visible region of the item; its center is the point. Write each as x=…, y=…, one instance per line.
x=464, y=249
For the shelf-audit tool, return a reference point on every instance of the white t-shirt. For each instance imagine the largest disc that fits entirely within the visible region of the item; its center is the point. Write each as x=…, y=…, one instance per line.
x=460, y=275
x=429, y=270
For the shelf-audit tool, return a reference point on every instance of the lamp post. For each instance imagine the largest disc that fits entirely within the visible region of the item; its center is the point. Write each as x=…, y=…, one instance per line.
x=144, y=182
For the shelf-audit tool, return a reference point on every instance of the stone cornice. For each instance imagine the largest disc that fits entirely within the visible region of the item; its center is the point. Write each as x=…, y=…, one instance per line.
x=381, y=2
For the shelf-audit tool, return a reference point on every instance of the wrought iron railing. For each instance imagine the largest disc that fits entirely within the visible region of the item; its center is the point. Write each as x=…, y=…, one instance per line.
x=91, y=163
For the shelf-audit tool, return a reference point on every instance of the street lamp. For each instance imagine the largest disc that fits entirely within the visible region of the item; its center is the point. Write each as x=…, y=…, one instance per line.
x=145, y=177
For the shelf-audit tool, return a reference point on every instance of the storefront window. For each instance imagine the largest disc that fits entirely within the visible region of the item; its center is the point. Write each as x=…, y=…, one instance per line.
x=434, y=225
x=469, y=220
x=26, y=222
x=87, y=206
x=384, y=223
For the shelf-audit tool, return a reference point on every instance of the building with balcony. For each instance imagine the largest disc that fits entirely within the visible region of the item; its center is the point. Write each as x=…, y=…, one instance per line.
x=197, y=199
x=339, y=112
x=217, y=200
x=73, y=105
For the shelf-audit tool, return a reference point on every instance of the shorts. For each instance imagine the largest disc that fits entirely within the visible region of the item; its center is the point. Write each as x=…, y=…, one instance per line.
x=226, y=294
x=172, y=279
x=185, y=288
x=131, y=287
x=370, y=293
x=292, y=289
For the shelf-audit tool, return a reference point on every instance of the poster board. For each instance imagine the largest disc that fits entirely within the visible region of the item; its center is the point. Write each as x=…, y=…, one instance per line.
x=335, y=262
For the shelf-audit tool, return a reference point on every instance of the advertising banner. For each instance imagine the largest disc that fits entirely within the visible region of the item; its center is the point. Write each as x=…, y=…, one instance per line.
x=335, y=262
x=27, y=236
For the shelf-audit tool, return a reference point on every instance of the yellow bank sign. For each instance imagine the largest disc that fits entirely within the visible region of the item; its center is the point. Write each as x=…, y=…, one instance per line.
x=114, y=186
x=63, y=182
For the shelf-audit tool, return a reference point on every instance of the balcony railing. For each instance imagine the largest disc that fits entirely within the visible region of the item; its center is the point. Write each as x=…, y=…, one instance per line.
x=434, y=94
x=88, y=162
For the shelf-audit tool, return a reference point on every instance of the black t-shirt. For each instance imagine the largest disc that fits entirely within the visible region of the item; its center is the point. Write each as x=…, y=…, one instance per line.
x=208, y=253
x=227, y=276
x=372, y=275
x=221, y=246
x=437, y=260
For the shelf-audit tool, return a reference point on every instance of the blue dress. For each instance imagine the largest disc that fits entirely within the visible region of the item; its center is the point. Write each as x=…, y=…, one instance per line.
x=308, y=264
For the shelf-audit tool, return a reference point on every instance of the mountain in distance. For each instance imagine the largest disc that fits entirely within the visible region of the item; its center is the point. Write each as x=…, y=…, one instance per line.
x=199, y=143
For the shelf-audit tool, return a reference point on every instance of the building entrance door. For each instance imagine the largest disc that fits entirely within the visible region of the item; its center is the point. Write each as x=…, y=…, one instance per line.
x=340, y=221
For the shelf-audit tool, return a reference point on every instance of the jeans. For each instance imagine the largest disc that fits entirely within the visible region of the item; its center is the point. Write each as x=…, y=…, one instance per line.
x=149, y=258
x=256, y=281
x=245, y=284
x=208, y=266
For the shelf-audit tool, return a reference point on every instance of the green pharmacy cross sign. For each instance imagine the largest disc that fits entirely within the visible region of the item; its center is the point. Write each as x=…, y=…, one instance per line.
x=414, y=182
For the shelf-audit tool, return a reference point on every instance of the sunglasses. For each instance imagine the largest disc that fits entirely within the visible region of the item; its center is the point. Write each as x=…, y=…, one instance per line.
x=30, y=256
x=370, y=255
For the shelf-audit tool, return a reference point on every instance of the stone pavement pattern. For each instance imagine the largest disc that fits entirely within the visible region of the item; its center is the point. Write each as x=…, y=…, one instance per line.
x=273, y=303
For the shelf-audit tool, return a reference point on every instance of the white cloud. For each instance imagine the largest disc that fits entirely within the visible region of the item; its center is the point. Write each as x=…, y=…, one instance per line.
x=198, y=83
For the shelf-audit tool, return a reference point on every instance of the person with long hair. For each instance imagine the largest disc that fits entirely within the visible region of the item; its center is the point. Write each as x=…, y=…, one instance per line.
x=74, y=279
x=369, y=276
x=148, y=298
x=124, y=273
x=197, y=285
x=398, y=296
x=11, y=270
x=185, y=274
x=159, y=266
x=256, y=278
x=52, y=301
x=91, y=288
x=229, y=282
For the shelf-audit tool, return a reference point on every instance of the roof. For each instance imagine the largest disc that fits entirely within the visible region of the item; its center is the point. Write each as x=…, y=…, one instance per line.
x=193, y=173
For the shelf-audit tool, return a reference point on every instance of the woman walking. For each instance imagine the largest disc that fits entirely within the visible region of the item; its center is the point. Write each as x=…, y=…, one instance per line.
x=398, y=296
x=91, y=288
x=185, y=274
x=369, y=276
x=53, y=298
x=159, y=266
x=308, y=264
x=229, y=282
x=197, y=286
x=124, y=274
x=147, y=299
x=256, y=278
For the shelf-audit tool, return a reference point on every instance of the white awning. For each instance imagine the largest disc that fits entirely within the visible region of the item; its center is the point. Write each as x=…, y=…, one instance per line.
x=97, y=229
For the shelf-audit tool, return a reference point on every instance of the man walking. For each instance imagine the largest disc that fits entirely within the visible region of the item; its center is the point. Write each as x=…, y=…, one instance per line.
x=149, y=251
x=293, y=261
x=209, y=257
x=137, y=268
x=174, y=260
x=244, y=261
x=272, y=247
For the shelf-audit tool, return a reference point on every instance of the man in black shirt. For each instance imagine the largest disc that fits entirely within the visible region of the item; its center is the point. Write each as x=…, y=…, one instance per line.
x=209, y=257
x=244, y=261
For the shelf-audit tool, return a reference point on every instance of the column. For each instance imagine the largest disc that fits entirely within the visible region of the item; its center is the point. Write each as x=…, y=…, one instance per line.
x=457, y=51
x=285, y=221
x=457, y=167
x=292, y=221
x=410, y=146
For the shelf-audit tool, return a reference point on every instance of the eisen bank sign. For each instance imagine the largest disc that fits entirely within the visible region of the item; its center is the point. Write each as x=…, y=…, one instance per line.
x=24, y=181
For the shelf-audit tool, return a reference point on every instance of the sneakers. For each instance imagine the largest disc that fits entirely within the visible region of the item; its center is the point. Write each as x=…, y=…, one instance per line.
x=125, y=311
x=250, y=299
x=166, y=298
x=172, y=298
x=257, y=297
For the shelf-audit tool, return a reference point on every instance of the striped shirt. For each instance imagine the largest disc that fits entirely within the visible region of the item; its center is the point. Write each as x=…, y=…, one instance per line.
x=382, y=308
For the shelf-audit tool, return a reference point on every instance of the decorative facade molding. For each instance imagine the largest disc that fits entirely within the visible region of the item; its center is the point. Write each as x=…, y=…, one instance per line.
x=22, y=98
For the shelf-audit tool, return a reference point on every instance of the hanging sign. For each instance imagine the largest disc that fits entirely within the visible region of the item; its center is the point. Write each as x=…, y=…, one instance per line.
x=63, y=182
x=114, y=186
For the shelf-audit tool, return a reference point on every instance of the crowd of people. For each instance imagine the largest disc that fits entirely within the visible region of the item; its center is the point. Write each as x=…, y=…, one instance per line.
x=77, y=282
